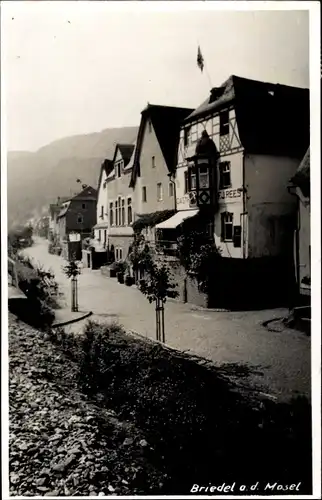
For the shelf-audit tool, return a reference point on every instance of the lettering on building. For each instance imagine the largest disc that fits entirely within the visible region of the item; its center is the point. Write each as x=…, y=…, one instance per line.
x=229, y=193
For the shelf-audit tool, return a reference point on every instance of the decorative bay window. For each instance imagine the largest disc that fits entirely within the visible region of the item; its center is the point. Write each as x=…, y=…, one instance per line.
x=202, y=173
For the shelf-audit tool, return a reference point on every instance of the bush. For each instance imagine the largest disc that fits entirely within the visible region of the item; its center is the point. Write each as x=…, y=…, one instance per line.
x=41, y=291
x=19, y=238
x=194, y=419
x=119, y=266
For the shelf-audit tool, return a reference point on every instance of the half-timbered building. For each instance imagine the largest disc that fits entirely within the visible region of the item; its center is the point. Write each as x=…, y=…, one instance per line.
x=261, y=132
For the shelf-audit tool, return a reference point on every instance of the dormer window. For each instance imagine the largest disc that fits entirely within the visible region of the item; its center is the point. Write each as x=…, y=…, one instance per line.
x=118, y=169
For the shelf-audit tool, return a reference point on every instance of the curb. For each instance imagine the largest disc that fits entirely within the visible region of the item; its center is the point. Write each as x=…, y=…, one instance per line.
x=273, y=320
x=154, y=341
x=71, y=321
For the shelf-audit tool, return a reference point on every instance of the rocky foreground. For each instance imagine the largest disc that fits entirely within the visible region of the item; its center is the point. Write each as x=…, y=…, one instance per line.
x=61, y=443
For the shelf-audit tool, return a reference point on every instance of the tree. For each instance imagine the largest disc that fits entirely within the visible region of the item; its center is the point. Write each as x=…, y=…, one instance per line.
x=72, y=270
x=198, y=255
x=157, y=288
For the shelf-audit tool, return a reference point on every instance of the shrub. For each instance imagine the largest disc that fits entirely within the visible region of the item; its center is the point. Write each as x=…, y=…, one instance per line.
x=119, y=266
x=18, y=238
x=41, y=291
x=193, y=417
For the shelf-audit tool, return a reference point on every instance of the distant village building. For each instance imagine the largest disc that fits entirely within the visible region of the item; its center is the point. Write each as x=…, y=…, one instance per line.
x=76, y=220
x=54, y=210
x=100, y=240
x=120, y=197
x=302, y=241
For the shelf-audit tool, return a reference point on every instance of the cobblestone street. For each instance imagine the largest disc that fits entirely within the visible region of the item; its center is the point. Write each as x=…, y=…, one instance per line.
x=279, y=361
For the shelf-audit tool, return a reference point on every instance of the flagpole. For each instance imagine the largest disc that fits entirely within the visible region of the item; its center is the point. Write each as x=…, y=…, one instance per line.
x=204, y=66
x=208, y=75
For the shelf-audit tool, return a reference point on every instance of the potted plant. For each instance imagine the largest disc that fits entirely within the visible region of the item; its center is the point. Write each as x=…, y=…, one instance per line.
x=121, y=268
x=129, y=280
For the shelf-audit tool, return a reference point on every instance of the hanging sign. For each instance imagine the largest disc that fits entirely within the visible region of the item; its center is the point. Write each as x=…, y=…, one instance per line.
x=74, y=237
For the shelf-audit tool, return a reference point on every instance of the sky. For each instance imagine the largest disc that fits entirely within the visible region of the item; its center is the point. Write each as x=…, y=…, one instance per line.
x=80, y=67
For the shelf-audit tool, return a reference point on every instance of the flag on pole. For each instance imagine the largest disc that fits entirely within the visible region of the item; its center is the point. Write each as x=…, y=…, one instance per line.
x=200, y=60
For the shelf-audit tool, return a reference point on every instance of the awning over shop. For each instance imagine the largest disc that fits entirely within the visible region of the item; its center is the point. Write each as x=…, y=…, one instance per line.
x=101, y=225
x=177, y=219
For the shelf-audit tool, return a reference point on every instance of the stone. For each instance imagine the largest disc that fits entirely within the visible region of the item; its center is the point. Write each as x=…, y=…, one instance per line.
x=41, y=481
x=74, y=451
x=127, y=441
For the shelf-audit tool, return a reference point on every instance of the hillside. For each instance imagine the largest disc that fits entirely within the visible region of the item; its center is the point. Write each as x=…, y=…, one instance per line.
x=36, y=179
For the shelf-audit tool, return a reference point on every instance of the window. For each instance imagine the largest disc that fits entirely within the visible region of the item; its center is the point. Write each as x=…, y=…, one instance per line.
x=150, y=126
x=102, y=211
x=118, y=169
x=99, y=235
x=80, y=219
x=192, y=179
x=144, y=193
x=111, y=214
x=120, y=211
x=171, y=189
x=116, y=214
x=186, y=136
x=224, y=123
x=186, y=182
x=159, y=191
x=129, y=211
x=120, y=253
x=116, y=254
x=123, y=213
x=83, y=205
x=224, y=175
x=203, y=177
x=153, y=161
x=105, y=237
x=226, y=226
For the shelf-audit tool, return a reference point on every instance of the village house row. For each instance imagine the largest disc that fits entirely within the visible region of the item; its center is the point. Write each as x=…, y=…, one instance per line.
x=234, y=164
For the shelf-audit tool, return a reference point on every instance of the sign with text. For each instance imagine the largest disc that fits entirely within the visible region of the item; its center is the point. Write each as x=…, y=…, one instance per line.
x=229, y=193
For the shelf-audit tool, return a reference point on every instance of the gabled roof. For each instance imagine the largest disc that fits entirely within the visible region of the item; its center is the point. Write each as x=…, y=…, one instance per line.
x=166, y=122
x=302, y=177
x=130, y=164
x=88, y=193
x=107, y=167
x=63, y=210
x=126, y=151
x=272, y=118
x=54, y=209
